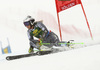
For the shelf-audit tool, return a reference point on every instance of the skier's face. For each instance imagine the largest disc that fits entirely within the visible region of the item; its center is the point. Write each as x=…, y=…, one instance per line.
x=29, y=27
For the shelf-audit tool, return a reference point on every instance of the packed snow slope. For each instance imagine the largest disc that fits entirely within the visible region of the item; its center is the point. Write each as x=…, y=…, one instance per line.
x=87, y=58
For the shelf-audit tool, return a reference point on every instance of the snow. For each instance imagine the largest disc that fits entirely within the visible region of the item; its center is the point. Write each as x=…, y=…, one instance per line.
x=11, y=26
x=87, y=58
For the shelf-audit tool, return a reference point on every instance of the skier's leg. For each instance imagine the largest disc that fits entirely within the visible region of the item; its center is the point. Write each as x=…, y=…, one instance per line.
x=51, y=39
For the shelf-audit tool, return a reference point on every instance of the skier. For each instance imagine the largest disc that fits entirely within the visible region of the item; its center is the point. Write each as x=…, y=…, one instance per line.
x=38, y=29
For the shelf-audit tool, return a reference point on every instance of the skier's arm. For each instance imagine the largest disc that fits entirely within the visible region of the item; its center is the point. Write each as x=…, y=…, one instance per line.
x=31, y=39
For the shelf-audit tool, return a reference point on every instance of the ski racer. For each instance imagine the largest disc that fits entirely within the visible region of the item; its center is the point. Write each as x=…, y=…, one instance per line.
x=38, y=29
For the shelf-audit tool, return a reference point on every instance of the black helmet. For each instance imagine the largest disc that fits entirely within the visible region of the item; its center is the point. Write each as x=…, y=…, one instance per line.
x=29, y=21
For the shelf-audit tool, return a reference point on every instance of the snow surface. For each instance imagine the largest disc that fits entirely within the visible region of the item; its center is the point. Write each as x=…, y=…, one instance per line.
x=87, y=58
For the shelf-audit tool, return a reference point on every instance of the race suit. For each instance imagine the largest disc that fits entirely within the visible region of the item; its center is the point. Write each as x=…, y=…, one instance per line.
x=41, y=32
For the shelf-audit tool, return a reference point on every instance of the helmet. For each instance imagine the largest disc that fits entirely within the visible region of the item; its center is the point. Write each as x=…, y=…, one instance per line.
x=29, y=21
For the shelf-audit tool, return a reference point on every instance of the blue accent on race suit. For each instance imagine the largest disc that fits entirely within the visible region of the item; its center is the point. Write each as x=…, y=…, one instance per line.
x=47, y=34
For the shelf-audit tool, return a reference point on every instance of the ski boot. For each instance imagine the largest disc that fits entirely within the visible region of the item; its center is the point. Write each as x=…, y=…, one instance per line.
x=31, y=50
x=70, y=43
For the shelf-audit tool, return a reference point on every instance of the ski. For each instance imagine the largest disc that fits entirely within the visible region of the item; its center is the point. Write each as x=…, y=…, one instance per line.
x=45, y=50
x=19, y=56
x=27, y=55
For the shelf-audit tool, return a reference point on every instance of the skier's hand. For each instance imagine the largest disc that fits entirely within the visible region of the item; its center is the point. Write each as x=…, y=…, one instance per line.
x=40, y=42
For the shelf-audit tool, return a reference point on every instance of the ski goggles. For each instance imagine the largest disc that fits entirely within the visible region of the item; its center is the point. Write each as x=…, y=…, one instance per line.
x=26, y=23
